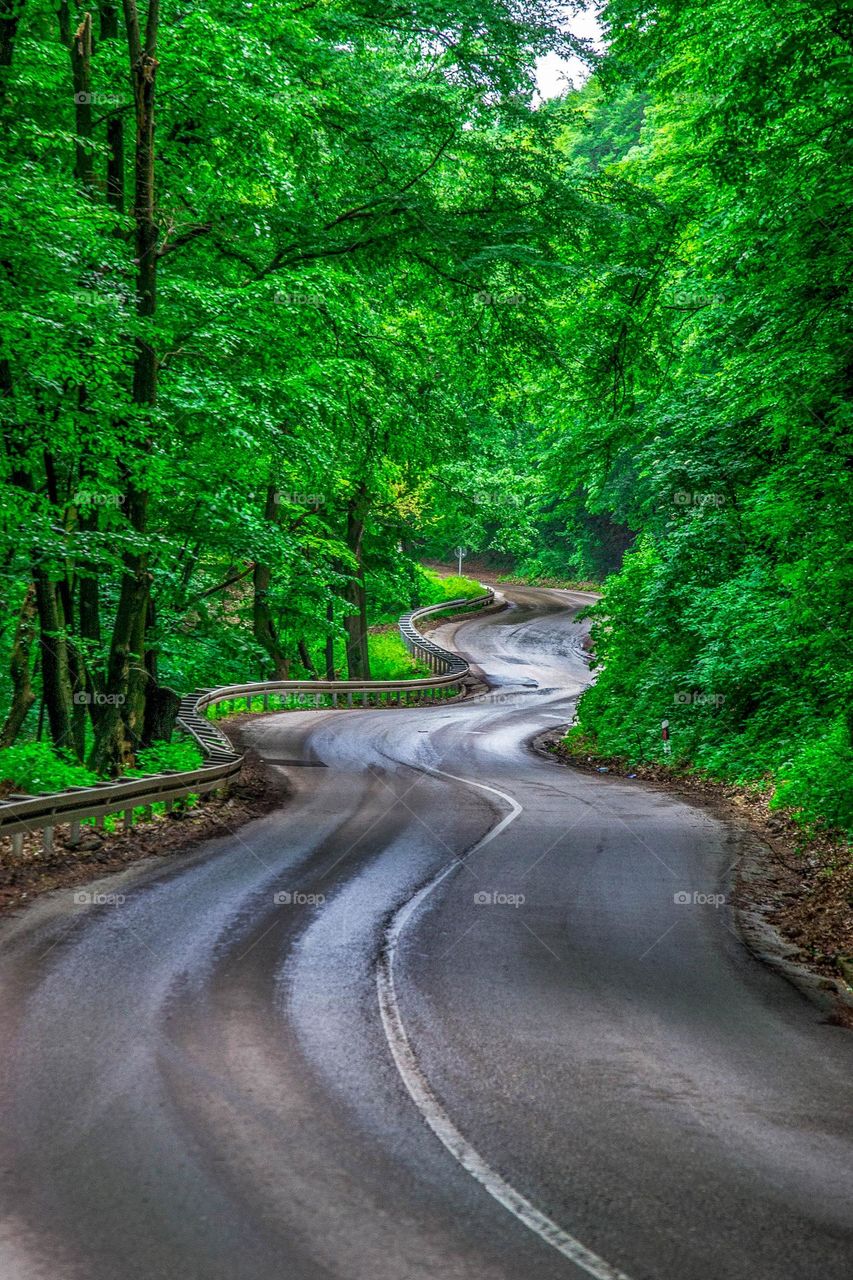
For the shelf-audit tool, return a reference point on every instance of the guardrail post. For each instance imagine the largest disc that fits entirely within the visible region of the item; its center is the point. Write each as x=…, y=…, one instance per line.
x=349, y=698
x=265, y=702
x=17, y=844
x=47, y=839
x=128, y=819
x=74, y=833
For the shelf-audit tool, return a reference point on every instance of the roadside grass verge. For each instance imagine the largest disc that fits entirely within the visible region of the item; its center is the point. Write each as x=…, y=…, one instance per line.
x=537, y=580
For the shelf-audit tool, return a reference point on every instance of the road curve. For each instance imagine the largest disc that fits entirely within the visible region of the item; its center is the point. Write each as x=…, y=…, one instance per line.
x=442, y=1015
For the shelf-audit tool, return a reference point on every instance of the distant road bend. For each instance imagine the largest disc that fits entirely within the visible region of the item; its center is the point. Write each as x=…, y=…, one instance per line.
x=441, y=1015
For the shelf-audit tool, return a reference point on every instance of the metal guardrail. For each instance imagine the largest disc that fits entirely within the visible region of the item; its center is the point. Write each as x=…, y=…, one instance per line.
x=20, y=814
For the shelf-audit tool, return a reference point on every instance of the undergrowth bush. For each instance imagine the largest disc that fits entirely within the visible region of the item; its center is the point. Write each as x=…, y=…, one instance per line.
x=390, y=659
x=36, y=767
x=751, y=695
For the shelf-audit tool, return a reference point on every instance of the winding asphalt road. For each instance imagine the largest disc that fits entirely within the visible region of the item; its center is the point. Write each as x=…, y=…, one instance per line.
x=442, y=1015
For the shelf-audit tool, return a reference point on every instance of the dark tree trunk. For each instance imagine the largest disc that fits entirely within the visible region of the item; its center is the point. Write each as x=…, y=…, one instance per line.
x=115, y=123
x=114, y=733
x=306, y=659
x=19, y=670
x=161, y=712
x=81, y=74
x=53, y=650
x=115, y=163
x=89, y=605
x=355, y=622
x=10, y=16
x=55, y=674
x=137, y=678
x=263, y=625
x=330, y=641
x=123, y=716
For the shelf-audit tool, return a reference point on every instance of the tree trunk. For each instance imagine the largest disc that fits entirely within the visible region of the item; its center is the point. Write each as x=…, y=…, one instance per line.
x=138, y=680
x=115, y=124
x=330, y=641
x=355, y=621
x=19, y=670
x=10, y=15
x=121, y=722
x=55, y=675
x=161, y=712
x=306, y=659
x=81, y=73
x=113, y=733
x=263, y=626
x=262, y=622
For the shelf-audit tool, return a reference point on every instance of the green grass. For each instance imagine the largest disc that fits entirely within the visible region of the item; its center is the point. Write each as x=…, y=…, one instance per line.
x=36, y=768
x=434, y=588
x=390, y=659
x=539, y=580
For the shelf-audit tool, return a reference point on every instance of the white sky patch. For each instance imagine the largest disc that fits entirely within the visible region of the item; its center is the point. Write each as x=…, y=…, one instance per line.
x=555, y=75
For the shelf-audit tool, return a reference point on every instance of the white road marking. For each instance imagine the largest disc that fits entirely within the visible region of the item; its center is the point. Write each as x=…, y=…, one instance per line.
x=424, y=1098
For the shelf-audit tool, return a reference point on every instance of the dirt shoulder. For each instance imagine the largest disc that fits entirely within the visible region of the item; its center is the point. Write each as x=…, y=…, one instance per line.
x=255, y=792
x=793, y=894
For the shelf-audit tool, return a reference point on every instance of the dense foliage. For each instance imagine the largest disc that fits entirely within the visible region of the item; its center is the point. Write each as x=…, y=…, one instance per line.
x=296, y=295
x=712, y=416
x=244, y=257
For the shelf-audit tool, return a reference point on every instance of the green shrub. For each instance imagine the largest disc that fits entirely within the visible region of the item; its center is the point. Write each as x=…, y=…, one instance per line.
x=36, y=767
x=183, y=754
x=752, y=696
x=433, y=588
x=390, y=659
x=817, y=781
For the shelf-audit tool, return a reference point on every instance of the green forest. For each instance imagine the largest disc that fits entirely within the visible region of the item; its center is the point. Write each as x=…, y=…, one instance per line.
x=296, y=298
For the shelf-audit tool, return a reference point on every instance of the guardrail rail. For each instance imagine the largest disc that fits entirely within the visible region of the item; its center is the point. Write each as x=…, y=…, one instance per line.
x=20, y=814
